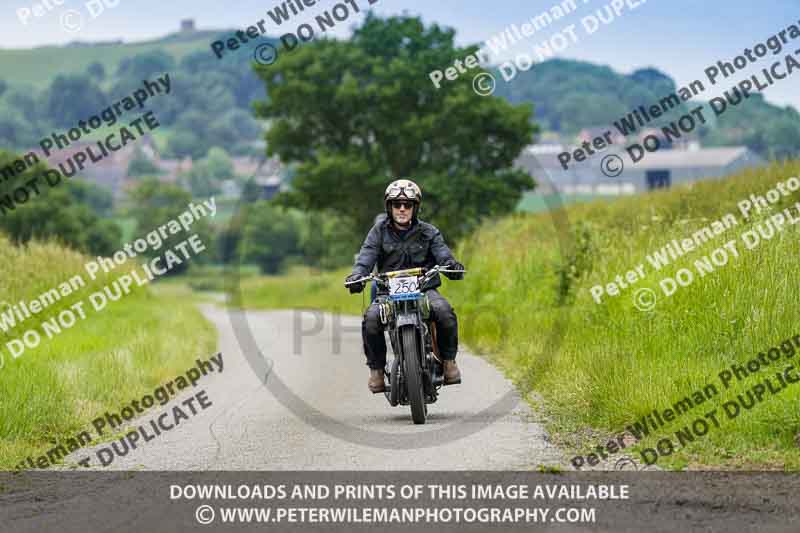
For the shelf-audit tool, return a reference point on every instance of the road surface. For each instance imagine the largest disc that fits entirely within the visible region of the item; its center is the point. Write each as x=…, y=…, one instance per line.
x=319, y=359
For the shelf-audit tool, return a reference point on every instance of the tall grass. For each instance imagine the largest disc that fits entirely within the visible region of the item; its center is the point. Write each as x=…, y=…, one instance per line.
x=114, y=356
x=614, y=363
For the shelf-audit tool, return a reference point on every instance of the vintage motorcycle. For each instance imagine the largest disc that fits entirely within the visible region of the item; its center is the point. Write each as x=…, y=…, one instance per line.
x=416, y=373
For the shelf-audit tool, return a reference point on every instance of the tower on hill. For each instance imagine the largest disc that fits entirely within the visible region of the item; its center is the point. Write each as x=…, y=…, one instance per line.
x=187, y=26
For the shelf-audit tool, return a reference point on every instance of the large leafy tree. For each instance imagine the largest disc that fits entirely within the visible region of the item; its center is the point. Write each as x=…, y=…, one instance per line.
x=356, y=114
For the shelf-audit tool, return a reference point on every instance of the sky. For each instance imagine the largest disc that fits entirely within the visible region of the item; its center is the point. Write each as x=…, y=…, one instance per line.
x=679, y=37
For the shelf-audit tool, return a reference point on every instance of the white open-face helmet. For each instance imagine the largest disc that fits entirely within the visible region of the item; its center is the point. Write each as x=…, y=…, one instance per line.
x=402, y=190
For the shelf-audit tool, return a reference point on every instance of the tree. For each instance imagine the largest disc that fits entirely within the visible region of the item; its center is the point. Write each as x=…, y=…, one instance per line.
x=157, y=203
x=207, y=175
x=357, y=114
x=141, y=165
x=66, y=212
x=270, y=236
x=72, y=98
x=97, y=71
x=99, y=199
x=234, y=129
x=185, y=143
x=654, y=80
x=145, y=66
x=15, y=131
x=782, y=137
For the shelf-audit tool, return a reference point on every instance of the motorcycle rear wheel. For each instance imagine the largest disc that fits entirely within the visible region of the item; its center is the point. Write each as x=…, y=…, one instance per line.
x=413, y=377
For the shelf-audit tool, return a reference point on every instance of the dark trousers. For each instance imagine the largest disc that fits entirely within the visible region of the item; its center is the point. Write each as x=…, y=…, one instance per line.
x=442, y=314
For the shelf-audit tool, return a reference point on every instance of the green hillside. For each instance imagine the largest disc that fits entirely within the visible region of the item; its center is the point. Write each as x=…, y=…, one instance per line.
x=39, y=66
x=567, y=95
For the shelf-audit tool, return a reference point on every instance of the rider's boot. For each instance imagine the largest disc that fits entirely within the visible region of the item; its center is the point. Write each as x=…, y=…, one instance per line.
x=451, y=372
x=376, y=383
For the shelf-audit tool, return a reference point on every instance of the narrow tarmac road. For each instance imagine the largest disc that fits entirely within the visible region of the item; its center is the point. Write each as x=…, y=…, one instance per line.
x=335, y=423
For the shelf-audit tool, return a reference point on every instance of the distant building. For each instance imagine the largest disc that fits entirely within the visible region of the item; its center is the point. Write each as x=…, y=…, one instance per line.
x=265, y=174
x=660, y=169
x=666, y=168
x=172, y=168
x=110, y=172
x=187, y=26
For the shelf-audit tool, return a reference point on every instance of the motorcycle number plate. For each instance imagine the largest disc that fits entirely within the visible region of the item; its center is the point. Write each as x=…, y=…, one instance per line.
x=406, y=288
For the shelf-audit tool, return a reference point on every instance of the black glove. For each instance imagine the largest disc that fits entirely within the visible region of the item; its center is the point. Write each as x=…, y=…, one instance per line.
x=355, y=287
x=454, y=265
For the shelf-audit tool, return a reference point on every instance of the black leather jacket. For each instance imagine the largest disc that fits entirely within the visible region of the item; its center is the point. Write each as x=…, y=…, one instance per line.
x=423, y=246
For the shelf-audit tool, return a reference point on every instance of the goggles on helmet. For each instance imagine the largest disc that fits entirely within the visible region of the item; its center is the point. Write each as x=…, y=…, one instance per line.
x=397, y=190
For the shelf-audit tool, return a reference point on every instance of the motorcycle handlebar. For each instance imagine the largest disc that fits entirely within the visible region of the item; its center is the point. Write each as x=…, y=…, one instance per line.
x=383, y=277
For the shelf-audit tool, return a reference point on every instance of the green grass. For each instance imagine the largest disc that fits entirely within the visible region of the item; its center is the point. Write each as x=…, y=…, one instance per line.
x=52, y=392
x=614, y=363
x=214, y=277
x=301, y=288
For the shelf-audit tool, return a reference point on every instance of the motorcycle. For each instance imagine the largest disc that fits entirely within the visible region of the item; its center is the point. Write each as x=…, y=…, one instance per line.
x=416, y=373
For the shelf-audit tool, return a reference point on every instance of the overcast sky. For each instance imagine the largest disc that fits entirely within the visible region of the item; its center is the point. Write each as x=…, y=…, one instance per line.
x=679, y=37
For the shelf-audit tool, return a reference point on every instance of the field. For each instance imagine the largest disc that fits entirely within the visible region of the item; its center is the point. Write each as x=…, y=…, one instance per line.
x=39, y=66
x=598, y=368
x=533, y=202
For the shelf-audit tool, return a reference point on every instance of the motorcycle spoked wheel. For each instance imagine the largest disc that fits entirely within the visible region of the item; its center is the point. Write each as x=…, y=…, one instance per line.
x=413, y=375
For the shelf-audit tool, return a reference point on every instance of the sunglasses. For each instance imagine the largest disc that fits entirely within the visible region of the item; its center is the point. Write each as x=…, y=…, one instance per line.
x=403, y=205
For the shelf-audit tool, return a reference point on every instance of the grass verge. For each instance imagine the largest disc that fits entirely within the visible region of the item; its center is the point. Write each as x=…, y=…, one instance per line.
x=616, y=363
x=52, y=392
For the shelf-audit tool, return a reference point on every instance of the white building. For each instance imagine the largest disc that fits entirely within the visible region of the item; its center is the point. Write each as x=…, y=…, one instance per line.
x=659, y=169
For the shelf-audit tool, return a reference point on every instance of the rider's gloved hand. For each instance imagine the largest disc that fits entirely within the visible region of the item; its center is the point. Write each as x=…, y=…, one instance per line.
x=355, y=287
x=454, y=265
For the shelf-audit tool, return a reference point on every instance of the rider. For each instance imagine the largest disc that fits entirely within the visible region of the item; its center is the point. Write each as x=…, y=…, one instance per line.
x=396, y=242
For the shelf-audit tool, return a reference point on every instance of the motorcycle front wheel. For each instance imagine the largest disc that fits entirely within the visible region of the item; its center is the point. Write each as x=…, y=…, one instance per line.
x=413, y=377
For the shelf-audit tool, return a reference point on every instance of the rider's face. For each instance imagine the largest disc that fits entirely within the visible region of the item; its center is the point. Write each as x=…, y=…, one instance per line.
x=402, y=211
